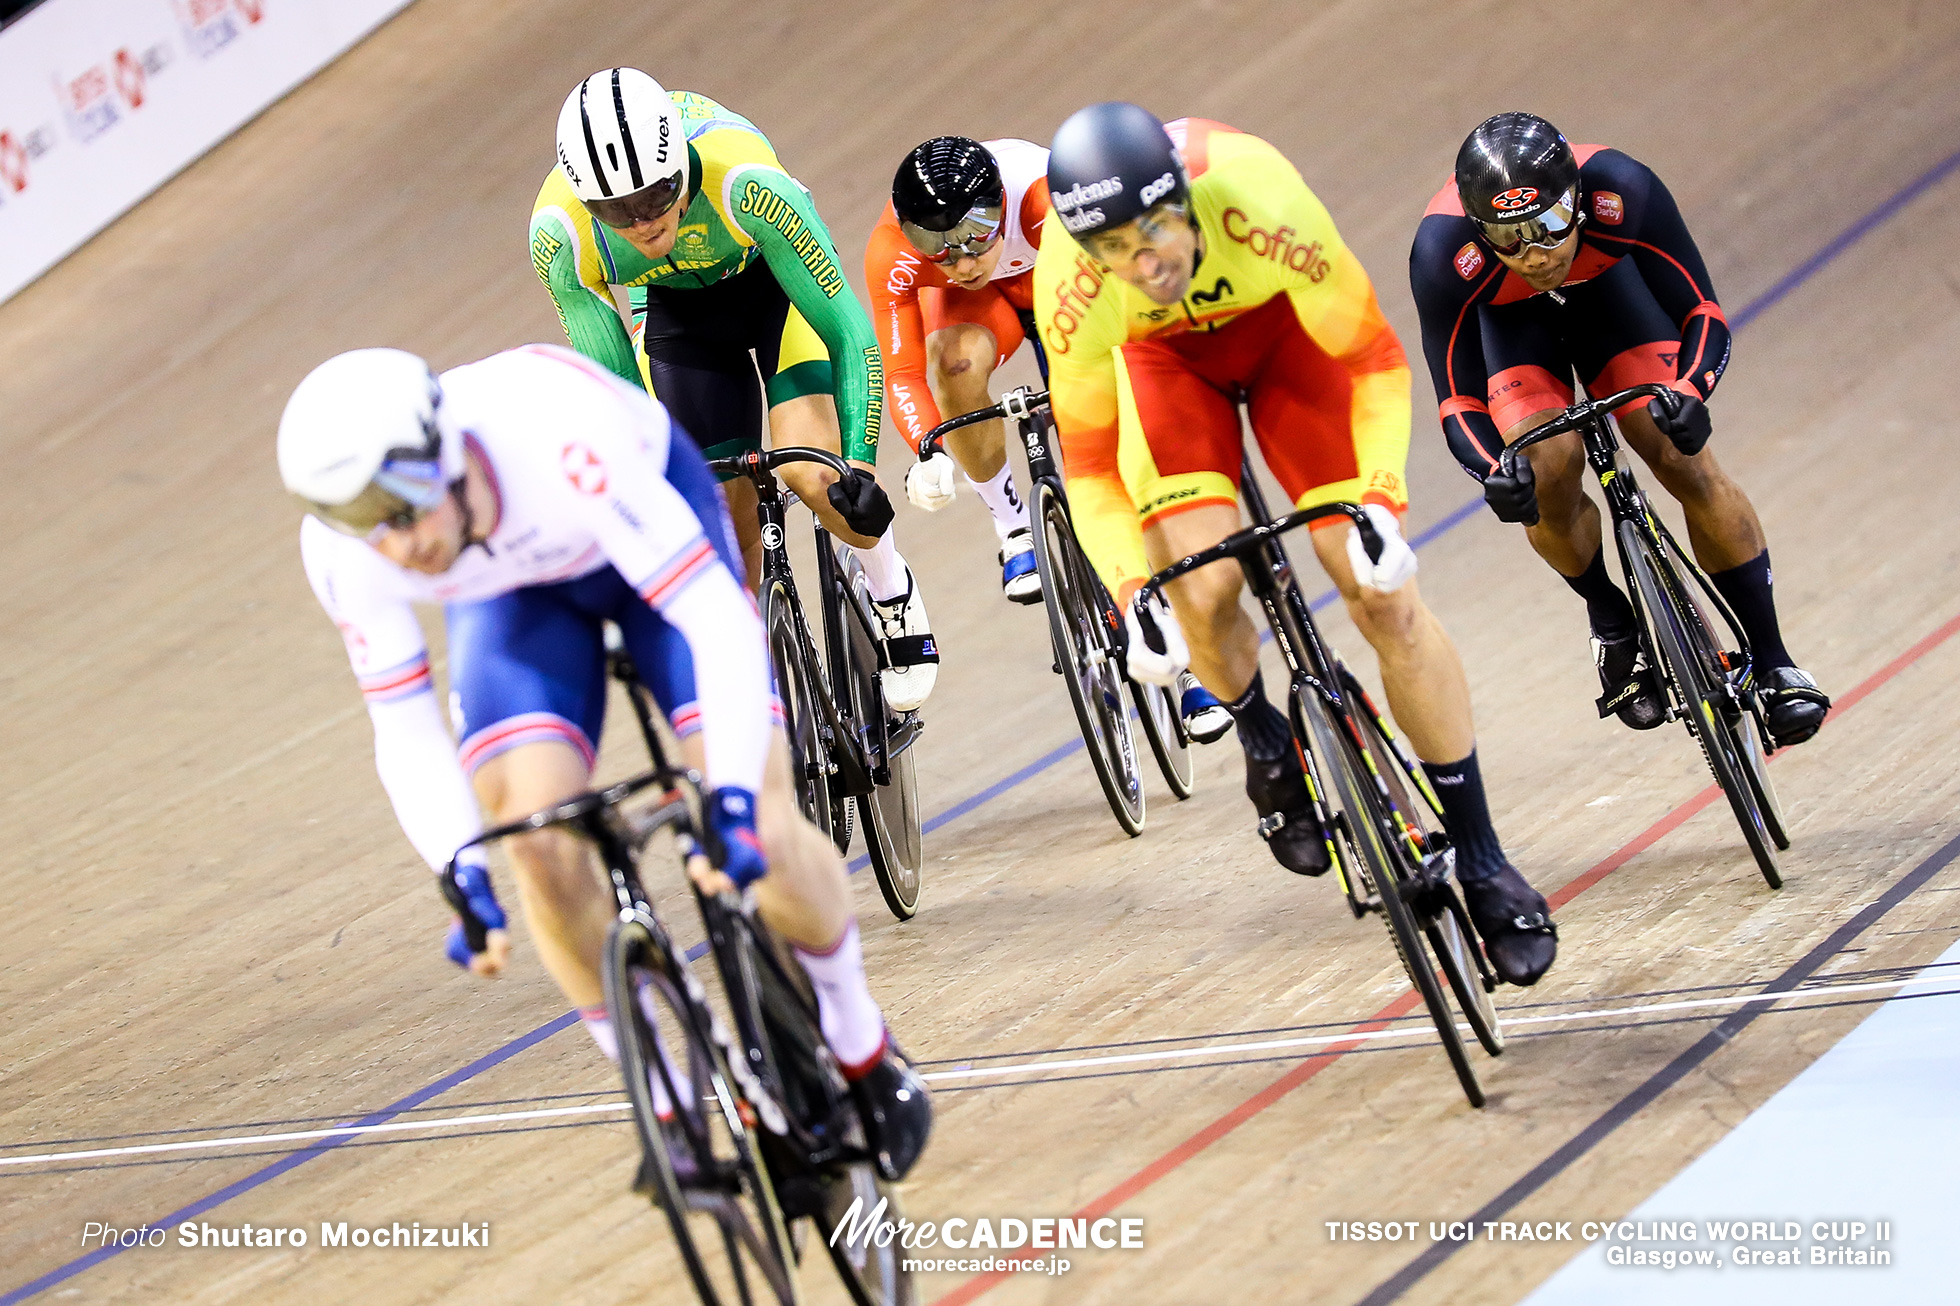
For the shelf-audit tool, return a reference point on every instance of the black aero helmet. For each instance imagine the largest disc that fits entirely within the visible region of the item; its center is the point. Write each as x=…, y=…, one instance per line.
x=943, y=180
x=1109, y=163
x=1515, y=166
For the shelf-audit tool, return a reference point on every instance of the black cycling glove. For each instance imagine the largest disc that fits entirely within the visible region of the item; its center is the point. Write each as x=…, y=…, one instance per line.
x=862, y=503
x=1514, y=498
x=1683, y=419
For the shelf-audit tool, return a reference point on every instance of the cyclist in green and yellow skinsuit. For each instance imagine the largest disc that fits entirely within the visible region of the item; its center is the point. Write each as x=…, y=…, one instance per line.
x=735, y=293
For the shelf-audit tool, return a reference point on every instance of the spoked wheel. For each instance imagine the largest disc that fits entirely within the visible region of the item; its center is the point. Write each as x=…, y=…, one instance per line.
x=1162, y=716
x=890, y=812
x=705, y=1171
x=1085, y=655
x=1364, y=835
x=809, y=754
x=1687, y=652
x=1415, y=811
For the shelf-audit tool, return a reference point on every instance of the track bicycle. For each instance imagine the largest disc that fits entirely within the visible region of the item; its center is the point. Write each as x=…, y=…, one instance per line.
x=1381, y=819
x=848, y=750
x=744, y=1131
x=1084, y=626
x=1712, y=689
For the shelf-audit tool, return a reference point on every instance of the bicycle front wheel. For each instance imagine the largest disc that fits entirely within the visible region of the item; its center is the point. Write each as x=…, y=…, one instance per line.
x=703, y=1168
x=802, y=714
x=1163, y=725
x=1413, y=806
x=1085, y=655
x=1372, y=840
x=890, y=812
x=1687, y=654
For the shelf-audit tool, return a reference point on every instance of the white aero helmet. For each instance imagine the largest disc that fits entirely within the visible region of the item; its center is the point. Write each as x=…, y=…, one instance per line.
x=360, y=444
x=621, y=145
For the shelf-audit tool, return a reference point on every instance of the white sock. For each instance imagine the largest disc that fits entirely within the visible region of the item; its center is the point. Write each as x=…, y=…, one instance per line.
x=1003, y=501
x=884, y=570
x=600, y=1026
x=848, y=1014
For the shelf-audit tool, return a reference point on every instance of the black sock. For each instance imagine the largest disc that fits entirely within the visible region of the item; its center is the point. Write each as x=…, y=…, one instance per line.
x=1747, y=589
x=1466, y=816
x=1263, y=731
x=1607, y=609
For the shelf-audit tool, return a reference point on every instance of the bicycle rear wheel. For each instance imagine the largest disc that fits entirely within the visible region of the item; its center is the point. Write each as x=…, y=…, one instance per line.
x=1163, y=725
x=1363, y=825
x=802, y=715
x=1085, y=655
x=1413, y=805
x=1686, y=652
x=890, y=812
x=724, y=1214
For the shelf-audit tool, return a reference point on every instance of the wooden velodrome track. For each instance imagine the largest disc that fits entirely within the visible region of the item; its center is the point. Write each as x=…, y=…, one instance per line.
x=215, y=927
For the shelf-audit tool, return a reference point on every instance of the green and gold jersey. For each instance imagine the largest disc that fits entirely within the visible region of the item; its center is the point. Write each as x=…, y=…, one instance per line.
x=744, y=207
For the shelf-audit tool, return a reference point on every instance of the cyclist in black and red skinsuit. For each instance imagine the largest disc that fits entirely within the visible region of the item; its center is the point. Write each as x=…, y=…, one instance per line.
x=1539, y=260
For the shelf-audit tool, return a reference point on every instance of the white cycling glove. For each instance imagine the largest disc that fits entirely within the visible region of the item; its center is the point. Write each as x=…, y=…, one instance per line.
x=1157, y=648
x=929, y=483
x=1398, y=560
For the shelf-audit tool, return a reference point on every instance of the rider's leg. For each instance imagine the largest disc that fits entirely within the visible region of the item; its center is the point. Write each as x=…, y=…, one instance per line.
x=740, y=494
x=960, y=361
x=810, y=422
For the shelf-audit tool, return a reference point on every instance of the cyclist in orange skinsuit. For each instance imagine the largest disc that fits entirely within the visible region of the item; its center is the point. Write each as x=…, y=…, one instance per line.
x=1208, y=274
x=950, y=270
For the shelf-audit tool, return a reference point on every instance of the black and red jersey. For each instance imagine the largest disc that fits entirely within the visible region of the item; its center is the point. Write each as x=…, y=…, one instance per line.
x=1629, y=214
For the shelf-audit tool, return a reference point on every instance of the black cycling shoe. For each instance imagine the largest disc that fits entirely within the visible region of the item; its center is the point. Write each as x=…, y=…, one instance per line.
x=1626, y=683
x=1796, y=708
x=1516, y=925
x=1278, y=790
x=897, y=1112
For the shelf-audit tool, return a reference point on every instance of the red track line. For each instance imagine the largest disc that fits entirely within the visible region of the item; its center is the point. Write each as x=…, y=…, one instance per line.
x=1300, y=1074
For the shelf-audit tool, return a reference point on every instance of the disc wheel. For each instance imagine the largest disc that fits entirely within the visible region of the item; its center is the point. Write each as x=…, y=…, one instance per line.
x=809, y=751
x=1446, y=924
x=1687, y=653
x=723, y=1213
x=1085, y=655
x=1162, y=716
x=890, y=812
x=1364, y=831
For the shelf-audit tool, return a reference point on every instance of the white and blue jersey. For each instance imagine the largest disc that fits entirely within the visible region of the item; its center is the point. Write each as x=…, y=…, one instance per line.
x=604, y=510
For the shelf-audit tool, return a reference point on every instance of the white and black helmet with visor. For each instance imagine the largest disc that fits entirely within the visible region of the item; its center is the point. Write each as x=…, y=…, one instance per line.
x=622, y=146
x=361, y=442
x=1518, y=180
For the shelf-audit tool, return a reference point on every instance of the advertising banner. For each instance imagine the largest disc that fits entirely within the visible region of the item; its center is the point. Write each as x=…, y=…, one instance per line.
x=102, y=101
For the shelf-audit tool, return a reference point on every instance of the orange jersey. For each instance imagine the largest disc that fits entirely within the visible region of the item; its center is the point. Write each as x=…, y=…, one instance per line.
x=894, y=273
x=1266, y=237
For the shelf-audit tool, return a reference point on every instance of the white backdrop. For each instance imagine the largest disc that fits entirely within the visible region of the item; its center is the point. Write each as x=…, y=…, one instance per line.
x=102, y=101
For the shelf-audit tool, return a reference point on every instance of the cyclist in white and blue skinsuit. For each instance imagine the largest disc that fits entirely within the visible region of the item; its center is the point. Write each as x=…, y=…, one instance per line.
x=537, y=497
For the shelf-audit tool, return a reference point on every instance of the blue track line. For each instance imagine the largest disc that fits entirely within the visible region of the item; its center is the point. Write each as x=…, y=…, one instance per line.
x=1809, y=268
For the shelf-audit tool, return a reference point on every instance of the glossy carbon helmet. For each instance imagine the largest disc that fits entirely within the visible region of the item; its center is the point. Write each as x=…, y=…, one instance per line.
x=360, y=443
x=1109, y=164
x=949, y=198
x=622, y=146
x=1519, y=181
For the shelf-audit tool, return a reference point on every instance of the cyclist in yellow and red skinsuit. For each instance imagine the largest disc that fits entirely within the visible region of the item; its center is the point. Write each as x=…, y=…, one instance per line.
x=1207, y=275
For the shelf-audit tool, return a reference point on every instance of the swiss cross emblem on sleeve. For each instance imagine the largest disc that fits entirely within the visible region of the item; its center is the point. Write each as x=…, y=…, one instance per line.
x=583, y=468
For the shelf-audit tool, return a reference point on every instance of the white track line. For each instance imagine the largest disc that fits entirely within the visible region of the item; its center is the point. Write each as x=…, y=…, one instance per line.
x=1025, y=1067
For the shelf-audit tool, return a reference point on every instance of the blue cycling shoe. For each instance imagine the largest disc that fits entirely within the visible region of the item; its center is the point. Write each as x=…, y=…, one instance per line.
x=1205, y=718
x=1019, y=578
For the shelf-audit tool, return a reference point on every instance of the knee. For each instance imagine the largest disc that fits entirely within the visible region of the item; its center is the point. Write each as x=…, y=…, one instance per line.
x=961, y=357
x=1207, y=600
x=1391, y=623
x=1557, y=470
x=551, y=868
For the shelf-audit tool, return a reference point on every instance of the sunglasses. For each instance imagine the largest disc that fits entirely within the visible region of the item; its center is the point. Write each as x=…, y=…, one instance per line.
x=1546, y=230
x=971, y=236
x=643, y=205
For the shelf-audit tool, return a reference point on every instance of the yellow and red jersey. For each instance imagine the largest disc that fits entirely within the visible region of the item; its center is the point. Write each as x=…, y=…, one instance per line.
x=1263, y=235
